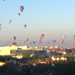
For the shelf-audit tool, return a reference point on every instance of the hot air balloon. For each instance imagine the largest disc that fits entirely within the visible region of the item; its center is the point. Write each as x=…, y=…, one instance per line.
x=61, y=41
x=24, y=41
x=21, y=8
x=0, y=27
x=39, y=41
x=18, y=41
x=47, y=42
x=7, y=43
x=25, y=25
x=18, y=14
x=14, y=37
x=29, y=43
x=33, y=42
x=64, y=36
x=52, y=42
x=9, y=39
x=9, y=21
x=42, y=35
x=4, y=41
x=72, y=45
x=27, y=39
x=74, y=36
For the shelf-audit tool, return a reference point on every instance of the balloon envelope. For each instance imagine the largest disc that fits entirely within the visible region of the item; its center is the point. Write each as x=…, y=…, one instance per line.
x=64, y=36
x=74, y=36
x=72, y=45
x=33, y=42
x=39, y=41
x=52, y=42
x=47, y=42
x=18, y=41
x=18, y=14
x=9, y=21
x=61, y=41
x=21, y=8
x=27, y=39
x=24, y=41
x=29, y=43
x=25, y=25
x=14, y=37
x=0, y=26
x=9, y=39
x=42, y=35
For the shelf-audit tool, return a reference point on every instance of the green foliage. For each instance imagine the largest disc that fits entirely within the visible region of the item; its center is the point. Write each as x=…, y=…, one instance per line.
x=31, y=62
x=5, y=58
x=43, y=56
x=26, y=55
x=9, y=64
x=6, y=70
x=26, y=71
x=70, y=58
x=64, y=69
x=35, y=56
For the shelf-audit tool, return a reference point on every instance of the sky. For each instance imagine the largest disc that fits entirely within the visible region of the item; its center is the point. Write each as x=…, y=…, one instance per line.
x=53, y=18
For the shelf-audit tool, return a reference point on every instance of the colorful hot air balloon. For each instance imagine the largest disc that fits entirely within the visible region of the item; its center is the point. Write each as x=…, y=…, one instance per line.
x=74, y=36
x=42, y=35
x=18, y=14
x=52, y=42
x=64, y=36
x=72, y=45
x=21, y=8
x=14, y=37
x=7, y=43
x=9, y=39
x=4, y=41
x=39, y=41
x=47, y=42
x=0, y=27
x=27, y=39
x=25, y=25
x=61, y=41
x=18, y=41
x=24, y=41
x=33, y=42
x=29, y=43
x=9, y=21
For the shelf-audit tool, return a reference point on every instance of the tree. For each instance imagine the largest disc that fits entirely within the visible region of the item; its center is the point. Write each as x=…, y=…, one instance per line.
x=26, y=55
x=43, y=56
x=64, y=69
x=35, y=56
x=10, y=64
x=26, y=71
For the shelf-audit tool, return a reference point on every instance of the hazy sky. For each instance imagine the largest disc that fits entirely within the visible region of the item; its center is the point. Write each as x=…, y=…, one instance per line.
x=54, y=18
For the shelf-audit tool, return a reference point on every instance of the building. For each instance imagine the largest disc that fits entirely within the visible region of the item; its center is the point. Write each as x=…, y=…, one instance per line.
x=63, y=51
x=17, y=51
x=2, y=63
x=57, y=58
